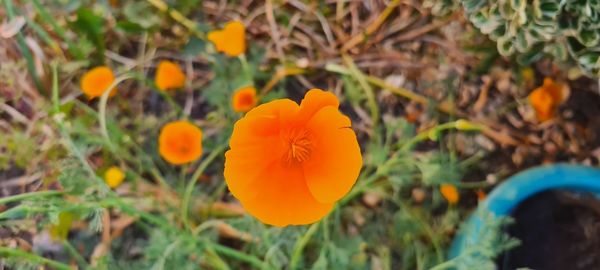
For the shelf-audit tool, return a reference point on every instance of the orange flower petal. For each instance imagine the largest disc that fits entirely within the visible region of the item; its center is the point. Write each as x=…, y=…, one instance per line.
x=96, y=81
x=335, y=160
x=546, y=98
x=543, y=104
x=169, y=76
x=284, y=199
x=231, y=40
x=217, y=38
x=244, y=99
x=180, y=142
x=556, y=90
x=450, y=193
x=314, y=100
x=263, y=121
x=255, y=145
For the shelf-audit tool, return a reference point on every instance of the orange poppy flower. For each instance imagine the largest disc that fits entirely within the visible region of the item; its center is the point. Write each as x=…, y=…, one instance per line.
x=481, y=195
x=231, y=40
x=96, y=81
x=180, y=142
x=169, y=76
x=450, y=193
x=546, y=99
x=244, y=99
x=289, y=164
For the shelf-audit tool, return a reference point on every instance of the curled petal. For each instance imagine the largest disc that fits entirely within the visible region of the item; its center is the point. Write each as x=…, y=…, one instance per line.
x=335, y=160
x=314, y=100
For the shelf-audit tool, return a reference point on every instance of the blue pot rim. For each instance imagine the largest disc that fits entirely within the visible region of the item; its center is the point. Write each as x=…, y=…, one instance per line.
x=508, y=195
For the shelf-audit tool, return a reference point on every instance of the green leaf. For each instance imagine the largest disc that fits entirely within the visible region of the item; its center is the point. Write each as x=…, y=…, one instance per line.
x=588, y=37
x=534, y=54
x=130, y=27
x=194, y=47
x=91, y=26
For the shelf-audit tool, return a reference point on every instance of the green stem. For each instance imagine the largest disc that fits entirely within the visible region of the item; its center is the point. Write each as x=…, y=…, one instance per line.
x=44, y=35
x=192, y=181
x=246, y=67
x=178, y=17
x=426, y=135
x=6, y=252
x=58, y=30
x=69, y=144
x=301, y=243
x=102, y=107
x=75, y=255
x=480, y=184
x=227, y=251
x=369, y=93
x=55, y=94
x=24, y=196
x=159, y=178
x=364, y=185
x=445, y=265
x=171, y=101
x=8, y=4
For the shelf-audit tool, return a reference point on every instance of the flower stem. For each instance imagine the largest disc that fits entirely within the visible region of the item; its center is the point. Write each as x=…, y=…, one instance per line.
x=301, y=243
x=15, y=252
x=102, y=107
x=75, y=255
x=445, y=265
x=24, y=196
x=237, y=255
x=10, y=12
x=178, y=17
x=190, y=185
x=245, y=67
x=369, y=93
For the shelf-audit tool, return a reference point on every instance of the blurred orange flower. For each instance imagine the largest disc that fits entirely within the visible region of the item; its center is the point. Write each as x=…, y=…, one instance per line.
x=169, y=76
x=289, y=164
x=244, y=99
x=546, y=99
x=180, y=142
x=450, y=193
x=481, y=195
x=231, y=40
x=95, y=81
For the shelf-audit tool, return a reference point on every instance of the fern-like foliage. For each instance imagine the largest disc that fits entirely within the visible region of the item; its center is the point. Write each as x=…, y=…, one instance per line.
x=568, y=30
x=492, y=242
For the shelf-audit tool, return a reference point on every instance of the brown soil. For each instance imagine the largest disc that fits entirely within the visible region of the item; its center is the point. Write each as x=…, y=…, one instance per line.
x=559, y=230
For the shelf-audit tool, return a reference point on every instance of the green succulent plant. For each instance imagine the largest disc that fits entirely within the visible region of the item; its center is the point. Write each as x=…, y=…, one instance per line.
x=568, y=30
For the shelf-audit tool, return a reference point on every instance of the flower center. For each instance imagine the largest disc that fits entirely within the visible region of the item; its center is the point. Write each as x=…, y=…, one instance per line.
x=299, y=145
x=246, y=100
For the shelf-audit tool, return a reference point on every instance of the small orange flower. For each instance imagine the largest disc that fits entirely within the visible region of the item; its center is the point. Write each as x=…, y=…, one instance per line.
x=244, y=99
x=96, y=81
x=450, y=193
x=114, y=177
x=481, y=195
x=169, y=76
x=546, y=99
x=231, y=40
x=289, y=164
x=180, y=142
